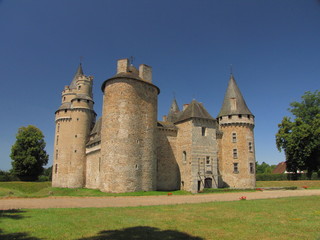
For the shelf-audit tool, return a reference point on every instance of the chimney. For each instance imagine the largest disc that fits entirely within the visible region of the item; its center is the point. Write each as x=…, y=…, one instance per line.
x=145, y=72
x=185, y=106
x=123, y=65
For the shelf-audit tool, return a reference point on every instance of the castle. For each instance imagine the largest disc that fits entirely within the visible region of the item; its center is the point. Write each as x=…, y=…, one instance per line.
x=127, y=149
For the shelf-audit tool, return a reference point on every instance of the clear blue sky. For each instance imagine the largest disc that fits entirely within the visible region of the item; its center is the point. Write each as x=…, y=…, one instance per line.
x=274, y=47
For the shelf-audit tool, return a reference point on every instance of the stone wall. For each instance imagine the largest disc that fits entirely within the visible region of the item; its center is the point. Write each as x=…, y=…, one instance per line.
x=168, y=172
x=93, y=167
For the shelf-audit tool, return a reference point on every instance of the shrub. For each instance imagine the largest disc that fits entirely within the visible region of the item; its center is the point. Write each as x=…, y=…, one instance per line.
x=286, y=177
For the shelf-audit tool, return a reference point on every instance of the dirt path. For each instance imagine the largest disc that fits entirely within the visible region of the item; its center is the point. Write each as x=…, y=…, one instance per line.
x=82, y=202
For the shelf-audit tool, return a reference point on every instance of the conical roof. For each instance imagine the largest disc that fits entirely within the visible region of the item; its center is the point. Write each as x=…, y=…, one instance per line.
x=174, y=111
x=194, y=110
x=233, y=103
x=78, y=73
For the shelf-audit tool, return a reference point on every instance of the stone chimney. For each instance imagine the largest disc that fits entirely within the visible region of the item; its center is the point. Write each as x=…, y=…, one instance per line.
x=145, y=72
x=123, y=65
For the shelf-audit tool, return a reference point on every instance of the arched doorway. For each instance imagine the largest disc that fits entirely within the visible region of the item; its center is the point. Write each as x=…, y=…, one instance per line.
x=208, y=183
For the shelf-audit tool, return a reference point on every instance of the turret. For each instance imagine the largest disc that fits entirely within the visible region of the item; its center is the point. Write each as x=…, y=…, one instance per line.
x=174, y=111
x=128, y=130
x=74, y=121
x=236, y=140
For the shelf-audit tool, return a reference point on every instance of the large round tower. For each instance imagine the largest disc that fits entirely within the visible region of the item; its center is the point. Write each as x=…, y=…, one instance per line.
x=129, y=121
x=74, y=121
x=236, y=144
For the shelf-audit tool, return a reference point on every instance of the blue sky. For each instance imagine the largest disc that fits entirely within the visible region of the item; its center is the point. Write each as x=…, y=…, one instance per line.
x=274, y=47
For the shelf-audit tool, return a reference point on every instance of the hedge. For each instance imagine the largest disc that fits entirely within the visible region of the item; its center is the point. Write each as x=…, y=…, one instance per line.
x=286, y=177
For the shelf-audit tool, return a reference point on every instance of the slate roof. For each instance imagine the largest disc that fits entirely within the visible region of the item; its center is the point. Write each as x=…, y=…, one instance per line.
x=233, y=92
x=95, y=132
x=174, y=111
x=74, y=80
x=194, y=110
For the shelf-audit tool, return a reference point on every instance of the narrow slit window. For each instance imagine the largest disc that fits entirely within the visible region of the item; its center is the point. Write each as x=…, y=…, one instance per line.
x=203, y=131
x=251, y=168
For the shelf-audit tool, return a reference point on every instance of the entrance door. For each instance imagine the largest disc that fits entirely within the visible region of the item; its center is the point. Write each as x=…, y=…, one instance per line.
x=199, y=186
x=208, y=183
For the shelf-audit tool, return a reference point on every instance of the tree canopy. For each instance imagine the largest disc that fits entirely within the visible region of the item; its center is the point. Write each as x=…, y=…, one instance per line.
x=300, y=137
x=28, y=154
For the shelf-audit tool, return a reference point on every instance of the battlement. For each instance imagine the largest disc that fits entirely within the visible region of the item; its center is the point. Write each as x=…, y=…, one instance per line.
x=144, y=72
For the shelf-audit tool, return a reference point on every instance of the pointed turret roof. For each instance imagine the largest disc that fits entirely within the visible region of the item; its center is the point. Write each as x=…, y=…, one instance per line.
x=74, y=80
x=194, y=110
x=174, y=111
x=174, y=106
x=233, y=102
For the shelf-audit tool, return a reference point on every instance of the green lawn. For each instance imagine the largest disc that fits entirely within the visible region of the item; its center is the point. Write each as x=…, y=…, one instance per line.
x=44, y=189
x=285, y=218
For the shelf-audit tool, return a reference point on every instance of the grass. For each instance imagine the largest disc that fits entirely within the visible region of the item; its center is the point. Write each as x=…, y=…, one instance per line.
x=284, y=218
x=44, y=189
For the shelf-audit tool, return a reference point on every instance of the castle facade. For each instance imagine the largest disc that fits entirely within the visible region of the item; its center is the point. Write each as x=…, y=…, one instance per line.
x=127, y=149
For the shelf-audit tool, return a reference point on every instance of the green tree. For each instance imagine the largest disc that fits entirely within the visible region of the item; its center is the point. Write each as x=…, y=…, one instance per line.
x=264, y=168
x=28, y=154
x=300, y=138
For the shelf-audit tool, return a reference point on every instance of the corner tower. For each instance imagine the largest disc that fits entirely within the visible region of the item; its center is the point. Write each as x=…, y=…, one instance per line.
x=128, y=131
x=74, y=120
x=236, y=140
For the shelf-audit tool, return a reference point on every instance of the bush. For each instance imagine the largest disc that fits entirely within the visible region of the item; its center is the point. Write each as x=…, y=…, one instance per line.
x=7, y=177
x=286, y=177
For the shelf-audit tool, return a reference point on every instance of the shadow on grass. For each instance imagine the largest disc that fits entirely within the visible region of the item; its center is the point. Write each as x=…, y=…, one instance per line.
x=140, y=233
x=14, y=214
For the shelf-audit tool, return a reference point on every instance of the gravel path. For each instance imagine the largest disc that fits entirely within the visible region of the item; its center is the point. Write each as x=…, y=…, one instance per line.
x=82, y=202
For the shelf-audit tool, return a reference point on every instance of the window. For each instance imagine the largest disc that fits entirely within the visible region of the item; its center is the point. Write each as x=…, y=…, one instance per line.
x=79, y=87
x=208, y=160
x=56, y=154
x=235, y=153
x=235, y=168
x=234, y=137
x=57, y=140
x=250, y=147
x=75, y=136
x=64, y=98
x=184, y=157
x=203, y=131
x=251, y=168
x=58, y=127
x=240, y=116
x=56, y=168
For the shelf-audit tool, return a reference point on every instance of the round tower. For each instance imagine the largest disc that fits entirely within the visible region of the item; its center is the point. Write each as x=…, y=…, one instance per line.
x=74, y=121
x=129, y=121
x=236, y=141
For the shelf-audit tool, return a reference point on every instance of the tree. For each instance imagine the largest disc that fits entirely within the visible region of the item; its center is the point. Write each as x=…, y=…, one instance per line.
x=300, y=138
x=264, y=168
x=28, y=154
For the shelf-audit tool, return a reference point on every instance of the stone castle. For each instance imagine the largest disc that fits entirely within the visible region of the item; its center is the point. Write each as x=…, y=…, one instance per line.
x=127, y=149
